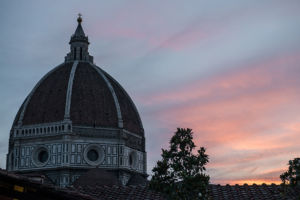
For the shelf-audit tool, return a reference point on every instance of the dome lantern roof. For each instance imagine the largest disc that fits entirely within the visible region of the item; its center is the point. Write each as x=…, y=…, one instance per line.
x=79, y=34
x=79, y=43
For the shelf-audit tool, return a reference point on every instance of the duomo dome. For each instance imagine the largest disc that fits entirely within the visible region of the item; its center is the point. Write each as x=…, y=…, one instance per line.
x=76, y=118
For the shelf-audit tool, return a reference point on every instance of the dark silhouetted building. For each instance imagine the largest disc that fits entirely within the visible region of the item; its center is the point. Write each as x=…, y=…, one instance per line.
x=77, y=118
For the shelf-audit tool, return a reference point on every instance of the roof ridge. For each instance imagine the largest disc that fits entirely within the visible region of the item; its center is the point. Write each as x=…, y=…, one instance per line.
x=69, y=91
x=113, y=93
x=20, y=121
x=127, y=95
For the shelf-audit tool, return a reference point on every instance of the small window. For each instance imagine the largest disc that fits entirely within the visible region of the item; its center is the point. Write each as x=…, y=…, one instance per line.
x=74, y=53
x=80, y=53
x=92, y=155
x=130, y=160
x=43, y=156
x=121, y=150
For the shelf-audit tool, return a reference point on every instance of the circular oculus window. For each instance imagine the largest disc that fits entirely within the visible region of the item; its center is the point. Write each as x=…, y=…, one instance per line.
x=133, y=159
x=40, y=156
x=43, y=156
x=94, y=154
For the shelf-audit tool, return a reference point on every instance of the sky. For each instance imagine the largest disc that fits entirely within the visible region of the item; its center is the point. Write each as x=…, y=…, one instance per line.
x=227, y=69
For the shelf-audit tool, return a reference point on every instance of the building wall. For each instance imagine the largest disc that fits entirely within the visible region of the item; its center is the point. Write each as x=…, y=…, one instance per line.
x=68, y=148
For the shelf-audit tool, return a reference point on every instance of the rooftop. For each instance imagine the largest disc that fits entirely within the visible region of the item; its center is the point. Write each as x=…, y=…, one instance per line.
x=15, y=185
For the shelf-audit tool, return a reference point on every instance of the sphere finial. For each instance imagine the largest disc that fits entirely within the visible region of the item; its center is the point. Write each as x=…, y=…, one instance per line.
x=79, y=19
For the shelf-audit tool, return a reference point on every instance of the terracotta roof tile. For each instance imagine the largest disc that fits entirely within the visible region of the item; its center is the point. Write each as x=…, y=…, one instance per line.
x=121, y=192
x=92, y=103
x=129, y=114
x=97, y=176
x=47, y=103
x=117, y=192
x=245, y=192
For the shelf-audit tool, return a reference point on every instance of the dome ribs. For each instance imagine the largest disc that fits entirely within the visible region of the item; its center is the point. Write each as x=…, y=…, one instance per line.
x=94, y=99
x=92, y=103
x=130, y=116
x=111, y=89
x=69, y=91
x=47, y=102
x=15, y=123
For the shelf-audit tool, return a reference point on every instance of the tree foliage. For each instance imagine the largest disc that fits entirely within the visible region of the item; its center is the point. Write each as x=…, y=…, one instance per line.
x=292, y=175
x=180, y=173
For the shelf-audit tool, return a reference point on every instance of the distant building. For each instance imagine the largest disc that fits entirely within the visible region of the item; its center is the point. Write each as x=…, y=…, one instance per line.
x=77, y=118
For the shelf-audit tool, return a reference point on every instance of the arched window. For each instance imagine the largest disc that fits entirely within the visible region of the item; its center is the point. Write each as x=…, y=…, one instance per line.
x=74, y=53
x=80, y=53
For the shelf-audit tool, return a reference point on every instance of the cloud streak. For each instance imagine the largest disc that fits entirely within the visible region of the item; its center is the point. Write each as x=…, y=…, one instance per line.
x=245, y=117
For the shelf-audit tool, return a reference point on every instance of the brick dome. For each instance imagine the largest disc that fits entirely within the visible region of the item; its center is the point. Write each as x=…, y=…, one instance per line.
x=95, y=99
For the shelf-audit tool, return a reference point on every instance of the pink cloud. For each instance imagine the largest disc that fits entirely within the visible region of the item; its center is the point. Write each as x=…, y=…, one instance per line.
x=248, y=116
x=250, y=77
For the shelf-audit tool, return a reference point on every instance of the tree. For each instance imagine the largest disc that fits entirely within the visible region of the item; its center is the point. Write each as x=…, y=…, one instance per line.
x=180, y=173
x=292, y=175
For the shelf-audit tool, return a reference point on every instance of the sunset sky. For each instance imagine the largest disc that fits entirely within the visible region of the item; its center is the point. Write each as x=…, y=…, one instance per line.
x=230, y=70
